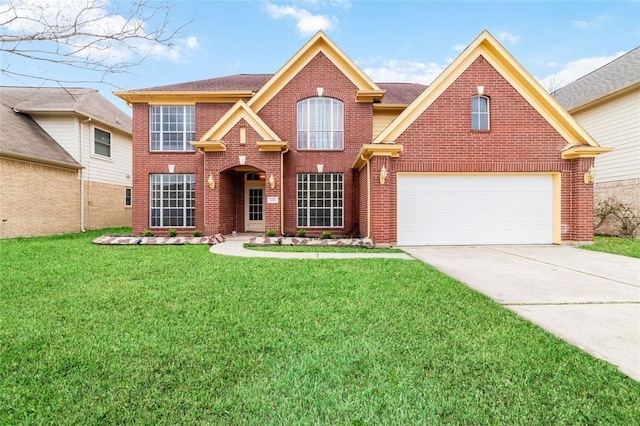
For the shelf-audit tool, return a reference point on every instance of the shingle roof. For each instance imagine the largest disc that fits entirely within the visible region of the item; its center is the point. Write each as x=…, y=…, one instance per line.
x=610, y=78
x=87, y=102
x=22, y=137
x=401, y=93
x=252, y=82
x=397, y=93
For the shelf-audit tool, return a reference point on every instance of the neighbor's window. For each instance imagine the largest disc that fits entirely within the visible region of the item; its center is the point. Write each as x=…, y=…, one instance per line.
x=172, y=127
x=320, y=124
x=101, y=142
x=320, y=200
x=479, y=113
x=173, y=200
x=127, y=197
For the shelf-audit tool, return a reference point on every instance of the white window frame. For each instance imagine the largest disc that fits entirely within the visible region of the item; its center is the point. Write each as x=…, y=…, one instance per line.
x=320, y=197
x=96, y=142
x=477, y=115
x=172, y=121
x=320, y=123
x=172, y=200
x=128, y=196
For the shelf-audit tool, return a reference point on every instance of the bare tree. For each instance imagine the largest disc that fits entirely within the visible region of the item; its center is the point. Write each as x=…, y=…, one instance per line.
x=553, y=83
x=88, y=35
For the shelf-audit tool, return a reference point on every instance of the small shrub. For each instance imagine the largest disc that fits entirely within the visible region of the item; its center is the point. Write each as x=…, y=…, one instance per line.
x=326, y=235
x=197, y=233
x=271, y=233
x=172, y=232
x=628, y=218
x=301, y=233
x=147, y=233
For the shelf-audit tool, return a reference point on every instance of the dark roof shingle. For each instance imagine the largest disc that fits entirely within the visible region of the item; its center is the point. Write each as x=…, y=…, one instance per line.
x=397, y=93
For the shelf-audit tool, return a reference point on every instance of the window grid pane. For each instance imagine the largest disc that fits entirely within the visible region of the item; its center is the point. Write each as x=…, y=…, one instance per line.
x=172, y=127
x=320, y=200
x=479, y=113
x=172, y=200
x=320, y=124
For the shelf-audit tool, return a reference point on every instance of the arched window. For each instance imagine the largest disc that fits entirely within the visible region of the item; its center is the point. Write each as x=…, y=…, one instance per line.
x=479, y=113
x=320, y=124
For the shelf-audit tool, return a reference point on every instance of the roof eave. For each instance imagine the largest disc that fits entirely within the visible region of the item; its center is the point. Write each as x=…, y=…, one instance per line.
x=184, y=97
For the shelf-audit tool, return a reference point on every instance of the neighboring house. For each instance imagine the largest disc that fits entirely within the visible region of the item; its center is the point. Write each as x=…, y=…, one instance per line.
x=484, y=155
x=65, y=162
x=606, y=103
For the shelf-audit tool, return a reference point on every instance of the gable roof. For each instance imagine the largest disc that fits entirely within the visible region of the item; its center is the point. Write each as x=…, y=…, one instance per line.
x=617, y=75
x=212, y=140
x=82, y=101
x=487, y=46
x=22, y=138
x=367, y=90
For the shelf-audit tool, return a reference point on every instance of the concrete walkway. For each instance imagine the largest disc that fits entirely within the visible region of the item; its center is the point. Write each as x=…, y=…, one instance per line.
x=235, y=247
x=589, y=299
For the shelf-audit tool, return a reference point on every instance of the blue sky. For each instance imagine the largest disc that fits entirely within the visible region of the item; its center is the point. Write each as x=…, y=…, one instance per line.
x=391, y=41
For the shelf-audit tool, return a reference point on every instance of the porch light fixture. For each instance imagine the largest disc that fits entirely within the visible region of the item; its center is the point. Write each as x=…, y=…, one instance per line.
x=272, y=182
x=320, y=167
x=211, y=182
x=172, y=168
x=383, y=175
x=480, y=90
x=242, y=159
x=590, y=175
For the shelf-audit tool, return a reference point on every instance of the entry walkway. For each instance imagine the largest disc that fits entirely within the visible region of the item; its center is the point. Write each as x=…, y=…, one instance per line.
x=234, y=246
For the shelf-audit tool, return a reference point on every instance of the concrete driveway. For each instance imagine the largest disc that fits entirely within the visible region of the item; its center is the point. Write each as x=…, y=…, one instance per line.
x=589, y=299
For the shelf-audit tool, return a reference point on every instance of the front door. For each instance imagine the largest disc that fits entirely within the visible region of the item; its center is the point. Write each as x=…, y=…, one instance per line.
x=254, y=208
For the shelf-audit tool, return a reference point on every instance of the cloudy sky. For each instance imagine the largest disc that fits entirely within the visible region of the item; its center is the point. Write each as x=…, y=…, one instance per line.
x=392, y=41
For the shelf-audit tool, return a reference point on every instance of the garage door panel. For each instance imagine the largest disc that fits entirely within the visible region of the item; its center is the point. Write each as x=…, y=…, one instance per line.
x=475, y=209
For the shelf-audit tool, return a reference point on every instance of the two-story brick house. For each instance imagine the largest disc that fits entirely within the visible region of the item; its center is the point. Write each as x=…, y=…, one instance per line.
x=482, y=155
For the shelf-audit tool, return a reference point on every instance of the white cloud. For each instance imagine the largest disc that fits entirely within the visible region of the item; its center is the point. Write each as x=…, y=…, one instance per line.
x=595, y=23
x=306, y=23
x=397, y=71
x=508, y=37
x=96, y=22
x=573, y=70
x=459, y=47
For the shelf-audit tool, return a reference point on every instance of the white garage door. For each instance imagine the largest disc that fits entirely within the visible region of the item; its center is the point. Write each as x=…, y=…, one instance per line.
x=460, y=209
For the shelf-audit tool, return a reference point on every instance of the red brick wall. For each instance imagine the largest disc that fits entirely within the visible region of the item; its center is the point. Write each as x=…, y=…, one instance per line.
x=519, y=140
x=280, y=115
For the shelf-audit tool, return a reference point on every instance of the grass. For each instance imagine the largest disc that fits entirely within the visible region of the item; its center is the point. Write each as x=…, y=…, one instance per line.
x=175, y=335
x=321, y=249
x=622, y=246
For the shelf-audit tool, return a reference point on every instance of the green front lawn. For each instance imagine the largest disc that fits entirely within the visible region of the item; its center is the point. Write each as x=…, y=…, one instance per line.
x=175, y=335
x=622, y=246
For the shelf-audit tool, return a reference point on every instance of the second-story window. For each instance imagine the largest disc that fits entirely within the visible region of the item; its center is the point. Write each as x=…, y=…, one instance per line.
x=479, y=113
x=320, y=124
x=172, y=127
x=101, y=142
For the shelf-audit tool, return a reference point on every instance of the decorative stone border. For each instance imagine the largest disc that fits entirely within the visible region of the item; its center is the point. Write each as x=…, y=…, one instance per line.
x=106, y=239
x=294, y=241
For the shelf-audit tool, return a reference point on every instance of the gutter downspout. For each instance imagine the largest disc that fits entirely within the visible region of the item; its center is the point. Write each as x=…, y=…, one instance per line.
x=82, y=195
x=368, y=195
x=282, y=189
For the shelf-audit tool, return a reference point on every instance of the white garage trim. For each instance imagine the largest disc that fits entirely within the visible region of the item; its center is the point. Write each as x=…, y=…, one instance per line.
x=478, y=208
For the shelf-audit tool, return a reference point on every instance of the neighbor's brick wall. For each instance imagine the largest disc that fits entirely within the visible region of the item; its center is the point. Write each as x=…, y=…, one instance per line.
x=105, y=206
x=280, y=114
x=37, y=199
x=519, y=140
x=624, y=191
